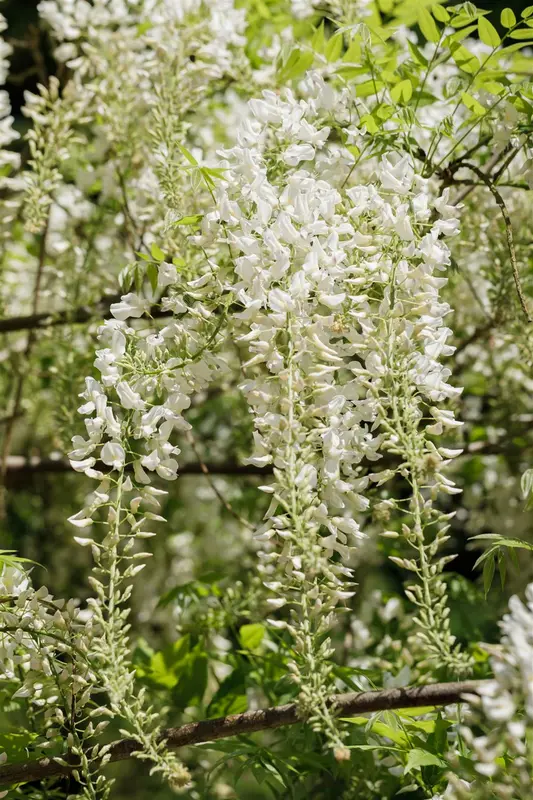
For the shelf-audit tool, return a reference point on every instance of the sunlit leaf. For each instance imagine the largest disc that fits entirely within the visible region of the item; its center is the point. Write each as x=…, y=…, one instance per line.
x=418, y=758
x=508, y=18
x=402, y=92
x=427, y=25
x=488, y=33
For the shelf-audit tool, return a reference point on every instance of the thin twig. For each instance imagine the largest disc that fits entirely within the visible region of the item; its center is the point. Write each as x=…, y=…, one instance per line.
x=206, y=471
x=512, y=154
x=437, y=694
x=508, y=231
x=491, y=163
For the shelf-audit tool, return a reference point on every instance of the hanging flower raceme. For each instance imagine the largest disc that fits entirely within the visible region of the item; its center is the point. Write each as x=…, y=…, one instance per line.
x=133, y=414
x=336, y=271
x=152, y=60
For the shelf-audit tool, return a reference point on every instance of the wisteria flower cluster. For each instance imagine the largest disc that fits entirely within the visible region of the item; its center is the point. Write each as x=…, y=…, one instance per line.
x=339, y=287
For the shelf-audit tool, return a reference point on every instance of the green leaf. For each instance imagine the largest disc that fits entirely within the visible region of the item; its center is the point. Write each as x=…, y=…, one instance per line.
x=472, y=104
x=296, y=64
x=192, y=679
x=396, y=736
x=418, y=758
x=164, y=667
x=192, y=220
x=527, y=12
x=440, y=13
x=353, y=53
x=402, y=92
x=417, y=55
x=525, y=108
x=189, y=156
x=458, y=36
x=503, y=541
x=157, y=253
x=230, y=698
x=318, y=40
x=461, y=20
x=489, y=569
x=416, y=712
x=177, y=593
x=513, y=48
x=526, y=483
x=368, y=88
x=493, y=87
x=427, y=25
x=152, y=274
x=216, y=172
x=348, y=71
x=16, y=745
x=520, y=33
x=251, y=636
x=488, y=33
x=464, y=59
x=380, y=729
x=179, y=667
x=426, y=725
x=334, y=47
x=373, y=747
x=508, y=18
x=13, y=561
x=370, y=123
x=502, y=568
x=143, y=27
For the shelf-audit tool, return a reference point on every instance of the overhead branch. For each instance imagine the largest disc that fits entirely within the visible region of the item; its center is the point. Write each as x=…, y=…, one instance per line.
x=18, y=466
x=69, y=316
x=437, y=694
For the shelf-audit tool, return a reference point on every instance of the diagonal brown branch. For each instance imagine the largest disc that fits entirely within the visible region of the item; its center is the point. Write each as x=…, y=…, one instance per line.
x=207, y=472
x=437, y=694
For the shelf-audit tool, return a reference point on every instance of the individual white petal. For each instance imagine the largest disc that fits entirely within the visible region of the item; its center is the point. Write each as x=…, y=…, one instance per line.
x=113, y=455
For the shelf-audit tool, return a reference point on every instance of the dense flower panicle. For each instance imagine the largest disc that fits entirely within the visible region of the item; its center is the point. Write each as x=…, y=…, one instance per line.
x=147, y=376
x=146, y=383
x=336, y=271
x=158, y=60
